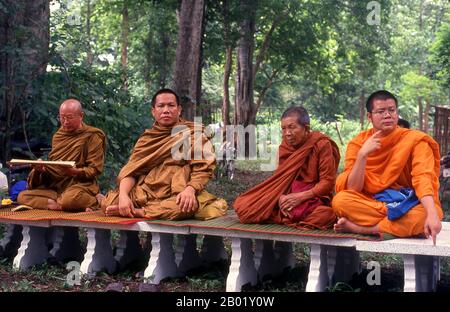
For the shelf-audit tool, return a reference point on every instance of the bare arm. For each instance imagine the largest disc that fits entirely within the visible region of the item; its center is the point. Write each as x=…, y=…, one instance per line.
x=125, y=204
x=423, y=179
x=356, y=177
x=432, y=225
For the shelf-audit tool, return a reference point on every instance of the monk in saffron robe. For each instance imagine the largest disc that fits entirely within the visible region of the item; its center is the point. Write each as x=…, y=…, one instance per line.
x=69, y=189
x=388, y=160
x=159, y=181
x=300, y=190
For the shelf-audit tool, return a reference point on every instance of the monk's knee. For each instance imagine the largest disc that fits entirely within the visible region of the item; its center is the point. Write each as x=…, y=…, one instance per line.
x=340, y=202
x=71, y=201
x=416, y=222
x=23, y=198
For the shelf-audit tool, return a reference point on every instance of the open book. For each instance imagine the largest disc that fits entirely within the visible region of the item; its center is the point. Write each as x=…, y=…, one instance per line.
x=42, y=162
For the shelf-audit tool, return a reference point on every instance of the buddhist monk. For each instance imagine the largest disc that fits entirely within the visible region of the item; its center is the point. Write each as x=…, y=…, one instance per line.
x=62, y=188
x=300, y=190
x=390, y=181
x=160, y=183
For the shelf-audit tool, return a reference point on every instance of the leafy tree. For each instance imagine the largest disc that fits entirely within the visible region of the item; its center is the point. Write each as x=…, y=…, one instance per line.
x=441, y=52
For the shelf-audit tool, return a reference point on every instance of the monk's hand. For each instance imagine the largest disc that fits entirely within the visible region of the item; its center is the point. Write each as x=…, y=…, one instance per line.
x=186, y=200
x=125, y=206
x=290, y=201
x=138, y=212
x=372, y=144
x=283, y=207
x=432, y=227
x=72, y=172
x=38, y=167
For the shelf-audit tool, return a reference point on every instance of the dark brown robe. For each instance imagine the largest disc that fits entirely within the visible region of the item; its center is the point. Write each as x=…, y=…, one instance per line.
x=315, y=161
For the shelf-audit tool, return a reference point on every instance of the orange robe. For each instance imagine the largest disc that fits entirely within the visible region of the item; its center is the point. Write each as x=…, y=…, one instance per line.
x=85, y=146
x=160, y=177
x=314, y=162
x=407, y=158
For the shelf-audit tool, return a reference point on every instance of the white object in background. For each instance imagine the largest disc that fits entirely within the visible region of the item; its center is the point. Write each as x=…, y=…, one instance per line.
x=3, y=181
x=446, y=173
x=3, y=185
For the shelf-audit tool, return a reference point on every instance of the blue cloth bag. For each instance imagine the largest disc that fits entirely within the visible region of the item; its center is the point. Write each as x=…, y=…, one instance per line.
x=18, y=187
x=398, y=202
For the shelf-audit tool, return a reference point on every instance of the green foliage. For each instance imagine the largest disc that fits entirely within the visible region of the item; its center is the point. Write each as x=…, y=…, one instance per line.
x=205, y=284
x=342, y=287
x=340, y=131
x=441, y=52
x=321, y=54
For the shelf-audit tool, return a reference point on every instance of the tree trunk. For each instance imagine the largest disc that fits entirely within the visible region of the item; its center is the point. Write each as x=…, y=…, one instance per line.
x=419, y=100
x=266, y=43
x=425, y=116
x=90, y=56
x=164, y=72
x=226, y=87
x=124, y=49
x=267, y=86
x=228, y=65
x=24, y=44
x=148, y=43
x=244, y=106
x=362, y=109
x=187, y=72
x=245, y=112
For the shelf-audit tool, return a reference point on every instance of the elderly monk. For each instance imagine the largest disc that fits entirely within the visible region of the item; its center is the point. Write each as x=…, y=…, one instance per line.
x=158, y=182
x=299, y=192
x=390, y=181
x=69, y=189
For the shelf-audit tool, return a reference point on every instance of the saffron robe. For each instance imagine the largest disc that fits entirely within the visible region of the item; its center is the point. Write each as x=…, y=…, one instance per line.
x=161, y=174
x=407, y=158
x=85, y=146
x=314, y=162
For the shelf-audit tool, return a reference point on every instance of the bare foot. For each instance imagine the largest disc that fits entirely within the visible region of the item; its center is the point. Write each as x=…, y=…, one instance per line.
x=53, y=205
x=112, y=210
x=343, y=225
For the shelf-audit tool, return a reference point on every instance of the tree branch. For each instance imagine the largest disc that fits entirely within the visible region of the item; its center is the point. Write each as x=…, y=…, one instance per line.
x=266, y=43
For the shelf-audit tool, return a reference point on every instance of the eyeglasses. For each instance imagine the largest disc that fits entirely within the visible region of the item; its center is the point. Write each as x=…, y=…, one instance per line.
x=68, y=118
x=382, y=112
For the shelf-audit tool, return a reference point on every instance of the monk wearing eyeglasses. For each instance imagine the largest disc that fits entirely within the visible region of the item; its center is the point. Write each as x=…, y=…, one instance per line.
x=70, y=189
x=390, y=180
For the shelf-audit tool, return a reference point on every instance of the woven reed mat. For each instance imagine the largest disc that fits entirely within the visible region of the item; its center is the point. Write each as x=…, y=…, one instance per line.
x=227, y=222
x=41, y=215
x=231, y=222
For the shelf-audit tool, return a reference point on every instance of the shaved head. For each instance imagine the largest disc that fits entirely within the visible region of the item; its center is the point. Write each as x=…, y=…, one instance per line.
x=72, y=105
x=71, y=115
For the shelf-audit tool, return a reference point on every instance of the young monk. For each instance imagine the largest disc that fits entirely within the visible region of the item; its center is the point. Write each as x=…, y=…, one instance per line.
x=156, y=183
x=69, y=189
x=300, y=190
x=390, y=181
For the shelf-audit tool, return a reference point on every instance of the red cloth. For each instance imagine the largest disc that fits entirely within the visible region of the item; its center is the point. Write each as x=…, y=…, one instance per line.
x=314, y=162
x=303, y=210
